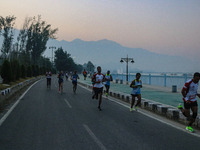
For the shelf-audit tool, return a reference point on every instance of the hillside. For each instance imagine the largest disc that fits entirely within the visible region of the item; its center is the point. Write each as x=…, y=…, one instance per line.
x=108, y=54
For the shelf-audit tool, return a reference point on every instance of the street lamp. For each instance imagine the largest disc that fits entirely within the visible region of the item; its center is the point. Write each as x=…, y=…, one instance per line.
x=52, y=47
x=127, y=60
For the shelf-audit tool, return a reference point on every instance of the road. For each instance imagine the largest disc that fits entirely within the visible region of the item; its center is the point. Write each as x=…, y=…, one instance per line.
x=46, y=120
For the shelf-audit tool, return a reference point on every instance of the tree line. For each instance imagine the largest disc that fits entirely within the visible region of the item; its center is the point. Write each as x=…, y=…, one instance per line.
x=23, y=57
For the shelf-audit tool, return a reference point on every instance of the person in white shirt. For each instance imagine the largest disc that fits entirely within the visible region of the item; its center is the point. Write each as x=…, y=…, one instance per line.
x=189, y=92
x=98, y=80
x=48, y=76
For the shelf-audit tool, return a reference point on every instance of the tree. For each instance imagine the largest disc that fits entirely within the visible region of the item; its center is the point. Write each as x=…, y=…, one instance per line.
x=79, y=68
x=46, y=63
x=90, y=66
x=24, y=53
x=29, y=71
x=15, y=70
x=6, y=71
x=63, y=61
x=38, y=34
x=6, y=24
x=23, y=71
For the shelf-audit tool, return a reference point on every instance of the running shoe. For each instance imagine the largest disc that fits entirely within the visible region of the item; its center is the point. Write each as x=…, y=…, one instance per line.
x=136, y=108
x=131, y=109
x=99, y=108
x=189, y=128
x=180, y=106
x=106, y=94
x=93, y=96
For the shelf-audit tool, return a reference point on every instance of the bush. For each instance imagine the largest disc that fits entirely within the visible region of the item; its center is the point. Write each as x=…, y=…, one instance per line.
x=6, y=72
x=33, y=70
x=37, y=70
x=18, y=75
x=29, y=71
x=15, y=70
x=23, y=71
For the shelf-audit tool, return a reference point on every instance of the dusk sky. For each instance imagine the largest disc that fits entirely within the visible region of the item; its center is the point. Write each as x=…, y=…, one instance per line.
x=162, y=26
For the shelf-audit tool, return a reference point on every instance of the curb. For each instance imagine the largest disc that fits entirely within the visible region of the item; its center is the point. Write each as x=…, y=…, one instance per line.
x=167, y=111
x=9, y=92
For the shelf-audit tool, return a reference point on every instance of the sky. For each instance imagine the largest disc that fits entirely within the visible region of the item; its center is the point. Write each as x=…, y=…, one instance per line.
x=163, y=26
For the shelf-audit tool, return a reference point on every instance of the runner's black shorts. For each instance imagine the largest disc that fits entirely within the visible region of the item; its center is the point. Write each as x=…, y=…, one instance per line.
x=107, y=86
x=98, y=90
x=73, y=82
x=190, y=105
x=135, y=95
x=60, y=81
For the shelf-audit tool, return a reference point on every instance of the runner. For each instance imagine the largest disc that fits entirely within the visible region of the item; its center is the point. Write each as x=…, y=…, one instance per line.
x=60, y=81
x=48, y=76
x=98, y=80
x=85, y=74
x=108, y=78
x=66, y=76
x=189, y=92
x=136, y=92
x=74, y=78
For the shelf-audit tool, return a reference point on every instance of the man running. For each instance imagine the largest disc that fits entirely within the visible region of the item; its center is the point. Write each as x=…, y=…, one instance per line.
x=74, y=78
x=98, y=80
x=85, y=74
x=60, y=81
x=189, y=92
x=48, y=76
x=66, y=76
x=136, y=91
x=108, y=78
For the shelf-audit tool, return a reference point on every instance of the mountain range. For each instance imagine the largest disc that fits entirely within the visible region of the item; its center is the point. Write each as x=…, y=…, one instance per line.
x=107, y=53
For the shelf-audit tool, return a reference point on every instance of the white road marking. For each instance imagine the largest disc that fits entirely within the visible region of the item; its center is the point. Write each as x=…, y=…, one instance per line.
x=96, y=140
x=170, y=124
x=12, y=108
x=68, y=103
x=174, y=126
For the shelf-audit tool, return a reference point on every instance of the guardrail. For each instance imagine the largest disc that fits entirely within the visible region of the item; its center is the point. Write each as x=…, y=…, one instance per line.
x=166, y=80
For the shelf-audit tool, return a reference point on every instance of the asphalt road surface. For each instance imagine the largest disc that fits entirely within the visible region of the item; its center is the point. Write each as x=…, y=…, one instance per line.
x=46, y=120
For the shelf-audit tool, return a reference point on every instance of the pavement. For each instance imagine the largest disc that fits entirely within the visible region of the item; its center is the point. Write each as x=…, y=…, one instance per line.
x=44, y=119
x=159, y=94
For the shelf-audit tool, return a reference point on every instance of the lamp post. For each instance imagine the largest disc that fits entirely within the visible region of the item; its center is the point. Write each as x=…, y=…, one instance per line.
x=127, y=60
x=52, y=47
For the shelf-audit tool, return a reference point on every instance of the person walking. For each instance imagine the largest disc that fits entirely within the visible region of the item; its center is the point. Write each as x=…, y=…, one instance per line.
x=136, y=86
x=189, y=93
x=98, y=80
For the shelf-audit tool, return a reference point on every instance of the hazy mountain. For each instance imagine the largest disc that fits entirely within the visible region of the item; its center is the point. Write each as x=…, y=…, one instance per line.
x=108, y=54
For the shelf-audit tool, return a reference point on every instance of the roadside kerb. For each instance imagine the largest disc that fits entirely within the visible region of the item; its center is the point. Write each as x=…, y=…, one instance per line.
x=9, y=92
x=158, y=108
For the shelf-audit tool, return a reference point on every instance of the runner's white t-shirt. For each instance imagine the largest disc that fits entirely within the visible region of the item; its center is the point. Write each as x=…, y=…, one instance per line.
x=191, y=90
x=99, y=77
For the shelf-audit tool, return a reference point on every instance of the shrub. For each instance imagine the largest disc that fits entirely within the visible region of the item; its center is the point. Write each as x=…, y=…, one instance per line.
x=6, y=72
x=29, y=71
x=23, y=71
